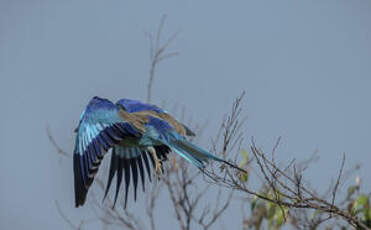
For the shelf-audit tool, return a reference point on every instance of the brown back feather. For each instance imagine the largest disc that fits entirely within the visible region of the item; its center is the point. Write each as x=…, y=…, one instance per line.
x=179, y=128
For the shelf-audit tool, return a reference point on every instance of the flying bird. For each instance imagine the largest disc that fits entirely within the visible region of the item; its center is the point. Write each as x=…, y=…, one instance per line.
x=139, y=134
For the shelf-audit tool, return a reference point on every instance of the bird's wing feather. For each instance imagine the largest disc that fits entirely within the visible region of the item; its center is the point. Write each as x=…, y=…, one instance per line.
x=100, y=128
x=137, y=160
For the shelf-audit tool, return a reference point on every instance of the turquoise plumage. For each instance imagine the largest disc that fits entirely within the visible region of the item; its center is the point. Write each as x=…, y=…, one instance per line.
x=139, y=134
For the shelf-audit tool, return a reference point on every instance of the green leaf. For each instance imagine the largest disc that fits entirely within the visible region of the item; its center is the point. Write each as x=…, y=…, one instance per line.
x=366, y=213
x=280, y=215
x=244, y=177
x=360, y=203
x=245, y=158
x=245, y=154
x=271, y=207
x=369, y=214
x=270, y=223
x=362, y=200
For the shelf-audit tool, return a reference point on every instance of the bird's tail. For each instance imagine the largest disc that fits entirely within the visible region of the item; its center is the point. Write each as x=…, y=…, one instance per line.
x=196, y=155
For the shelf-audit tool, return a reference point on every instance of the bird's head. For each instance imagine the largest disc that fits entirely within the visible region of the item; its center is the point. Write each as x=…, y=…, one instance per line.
x=96, y=100
x=130, y=106
x=126, y=104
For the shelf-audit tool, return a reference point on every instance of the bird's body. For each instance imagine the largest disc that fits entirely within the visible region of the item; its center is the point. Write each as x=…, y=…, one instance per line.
x=139, y=134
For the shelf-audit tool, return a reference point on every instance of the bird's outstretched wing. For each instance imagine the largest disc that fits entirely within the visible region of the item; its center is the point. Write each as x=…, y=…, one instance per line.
x=101, y=127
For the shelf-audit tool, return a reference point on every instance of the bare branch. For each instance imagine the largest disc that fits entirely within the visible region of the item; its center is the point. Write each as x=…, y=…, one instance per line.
x=54, y=143
x=66, y=219
x=334, y=191
x=158, y=54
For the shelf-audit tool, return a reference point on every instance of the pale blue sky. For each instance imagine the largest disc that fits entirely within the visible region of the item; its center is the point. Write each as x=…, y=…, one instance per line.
x=305, y=66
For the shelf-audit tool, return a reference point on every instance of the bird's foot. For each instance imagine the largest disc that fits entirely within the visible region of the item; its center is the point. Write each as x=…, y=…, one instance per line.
x=158, y=163
x=158, y=167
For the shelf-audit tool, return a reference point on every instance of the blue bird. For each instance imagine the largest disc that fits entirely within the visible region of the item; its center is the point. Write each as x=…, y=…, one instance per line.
x=139, y=134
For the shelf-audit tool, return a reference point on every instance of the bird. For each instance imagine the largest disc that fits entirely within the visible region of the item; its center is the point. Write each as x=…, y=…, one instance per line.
x=139, y=134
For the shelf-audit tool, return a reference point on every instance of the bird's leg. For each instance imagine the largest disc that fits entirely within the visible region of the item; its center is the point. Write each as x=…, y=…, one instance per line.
x=157, y=161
